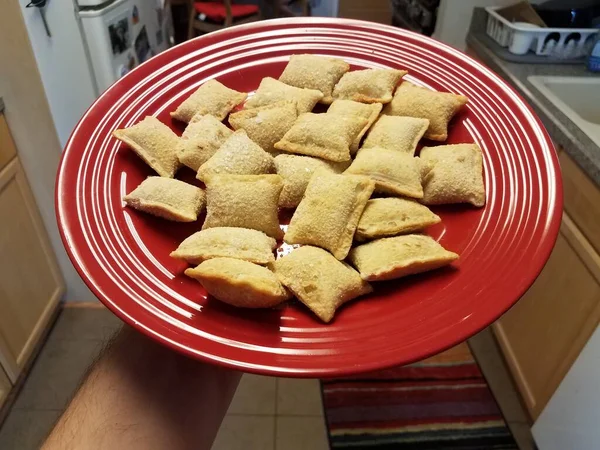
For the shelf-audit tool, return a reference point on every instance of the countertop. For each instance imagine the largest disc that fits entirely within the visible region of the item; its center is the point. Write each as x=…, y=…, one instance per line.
x=563, y=131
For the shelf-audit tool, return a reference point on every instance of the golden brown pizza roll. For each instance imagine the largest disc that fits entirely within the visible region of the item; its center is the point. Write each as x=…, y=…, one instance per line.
x=227, y=242
x=167, y=198
x=393, y=172
x=272, y=91
x=266, y=125
x=237, y=156
x=326, y=136
x=363, y=110
x=395, y=257
x=456, y=175
x=329, y=212
x=437, y=107
x=385, y=217
x=244, y=201
x=369, y=85
x=211, y=98
x=154, y=142
x=240, y=283
x=200, y=140
x=397, y=133
x=314, y=72
x=319, y=280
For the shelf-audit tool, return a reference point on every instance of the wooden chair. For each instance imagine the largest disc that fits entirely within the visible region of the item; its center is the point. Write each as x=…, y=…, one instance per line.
x=222, y=14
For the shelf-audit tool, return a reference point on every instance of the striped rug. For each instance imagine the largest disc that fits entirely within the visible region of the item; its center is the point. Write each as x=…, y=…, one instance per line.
x=442, y=403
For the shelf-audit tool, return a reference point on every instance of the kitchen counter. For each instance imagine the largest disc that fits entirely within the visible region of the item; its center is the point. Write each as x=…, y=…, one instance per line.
x=563, y=131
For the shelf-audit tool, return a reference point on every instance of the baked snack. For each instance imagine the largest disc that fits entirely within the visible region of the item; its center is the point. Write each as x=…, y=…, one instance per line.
x=398, y=133
x=314, y=72
x=245, y=201
x=390, y=216
x=239, y=283
x=329, y=212
x=211, y=98
x=230, y=242
x=167, y=198
x=369, y=111
x=200, y=140
x=154, y=142
x=395, y=257
x=273, y=91
x=456, y=175
x=369, y=85
x=438, y=107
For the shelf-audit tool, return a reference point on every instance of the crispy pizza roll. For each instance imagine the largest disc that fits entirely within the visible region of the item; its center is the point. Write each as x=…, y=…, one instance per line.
x=266, y=125
x=227, y=242
x=167, y=198
x=319, y=280
x=154, y=142
x=393, y=172
x=397, y=133
x=237, y=156
x=369, y=85
x=395, y=257
x=363, y=110
x=456, y=175
x=438, y=107
x=200, y=140
x=314, y=72
x=245, y=201
x=272, y=91
x=329, y=212
x=326, y=136
x=211, y=98
x=385, y=217
x=240, y=283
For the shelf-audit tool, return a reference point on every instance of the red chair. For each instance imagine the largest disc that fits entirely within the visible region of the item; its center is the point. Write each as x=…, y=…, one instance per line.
x=219, y=14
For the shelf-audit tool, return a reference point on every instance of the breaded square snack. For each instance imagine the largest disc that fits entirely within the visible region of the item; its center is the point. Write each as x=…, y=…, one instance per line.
x=240, y=283
x=227, y=242
x=244, y=201
x=351, y=108
x=273, y=91
x=200, y=140
x=154, y=142
x=314, y=72
x=211, y=98
x=438, y=107
x=395, y=257
x=329, y=212
x=369, y=85
x=167, y=198
x=456, y=175
x=398, y=133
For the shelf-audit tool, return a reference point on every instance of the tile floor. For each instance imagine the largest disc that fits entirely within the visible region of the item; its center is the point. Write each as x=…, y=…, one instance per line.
x=266, y=413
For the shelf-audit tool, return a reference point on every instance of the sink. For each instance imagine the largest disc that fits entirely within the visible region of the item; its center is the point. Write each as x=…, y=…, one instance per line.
x=577, y=97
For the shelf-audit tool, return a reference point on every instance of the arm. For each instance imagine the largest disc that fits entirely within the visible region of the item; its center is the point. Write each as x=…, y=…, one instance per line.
x=141, y=395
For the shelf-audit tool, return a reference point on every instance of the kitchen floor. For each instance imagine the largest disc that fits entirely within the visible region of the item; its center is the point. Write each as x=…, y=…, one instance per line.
x=266, y=413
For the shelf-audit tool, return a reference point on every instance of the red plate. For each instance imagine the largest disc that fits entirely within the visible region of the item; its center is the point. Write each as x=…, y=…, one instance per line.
x=123, y=255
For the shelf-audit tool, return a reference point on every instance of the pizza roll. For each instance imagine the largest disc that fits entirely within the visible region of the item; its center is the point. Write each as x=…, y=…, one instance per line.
x=237, y=156
x=200, y=140
x=314, y=72
x=227, y=242
x=384, y=217
x=397, y=133
x=393, y=172
x=266, y=125
x=272, y=91
x=329, y=212
x=363, y=110
x=155, y=143
x=395, y=257
x=456, y=175
x=211, y=98
x=245, y=201
x=240, y=283
x=437, y=107
x=369, y=85
x=167, y=198
x=326, y=136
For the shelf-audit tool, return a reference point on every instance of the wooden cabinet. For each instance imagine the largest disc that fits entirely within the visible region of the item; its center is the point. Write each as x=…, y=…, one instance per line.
x=5, y=386
x=372, y=10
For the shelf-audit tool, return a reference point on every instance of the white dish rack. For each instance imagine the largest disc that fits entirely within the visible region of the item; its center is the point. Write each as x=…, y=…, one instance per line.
x=563, y=43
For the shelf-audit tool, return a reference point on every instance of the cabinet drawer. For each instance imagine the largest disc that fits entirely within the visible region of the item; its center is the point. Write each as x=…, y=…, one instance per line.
x=7, y=146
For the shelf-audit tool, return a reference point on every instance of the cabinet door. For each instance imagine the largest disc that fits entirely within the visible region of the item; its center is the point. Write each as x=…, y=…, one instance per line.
x=544, y=332
x=5, y=386
x=30, y=282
